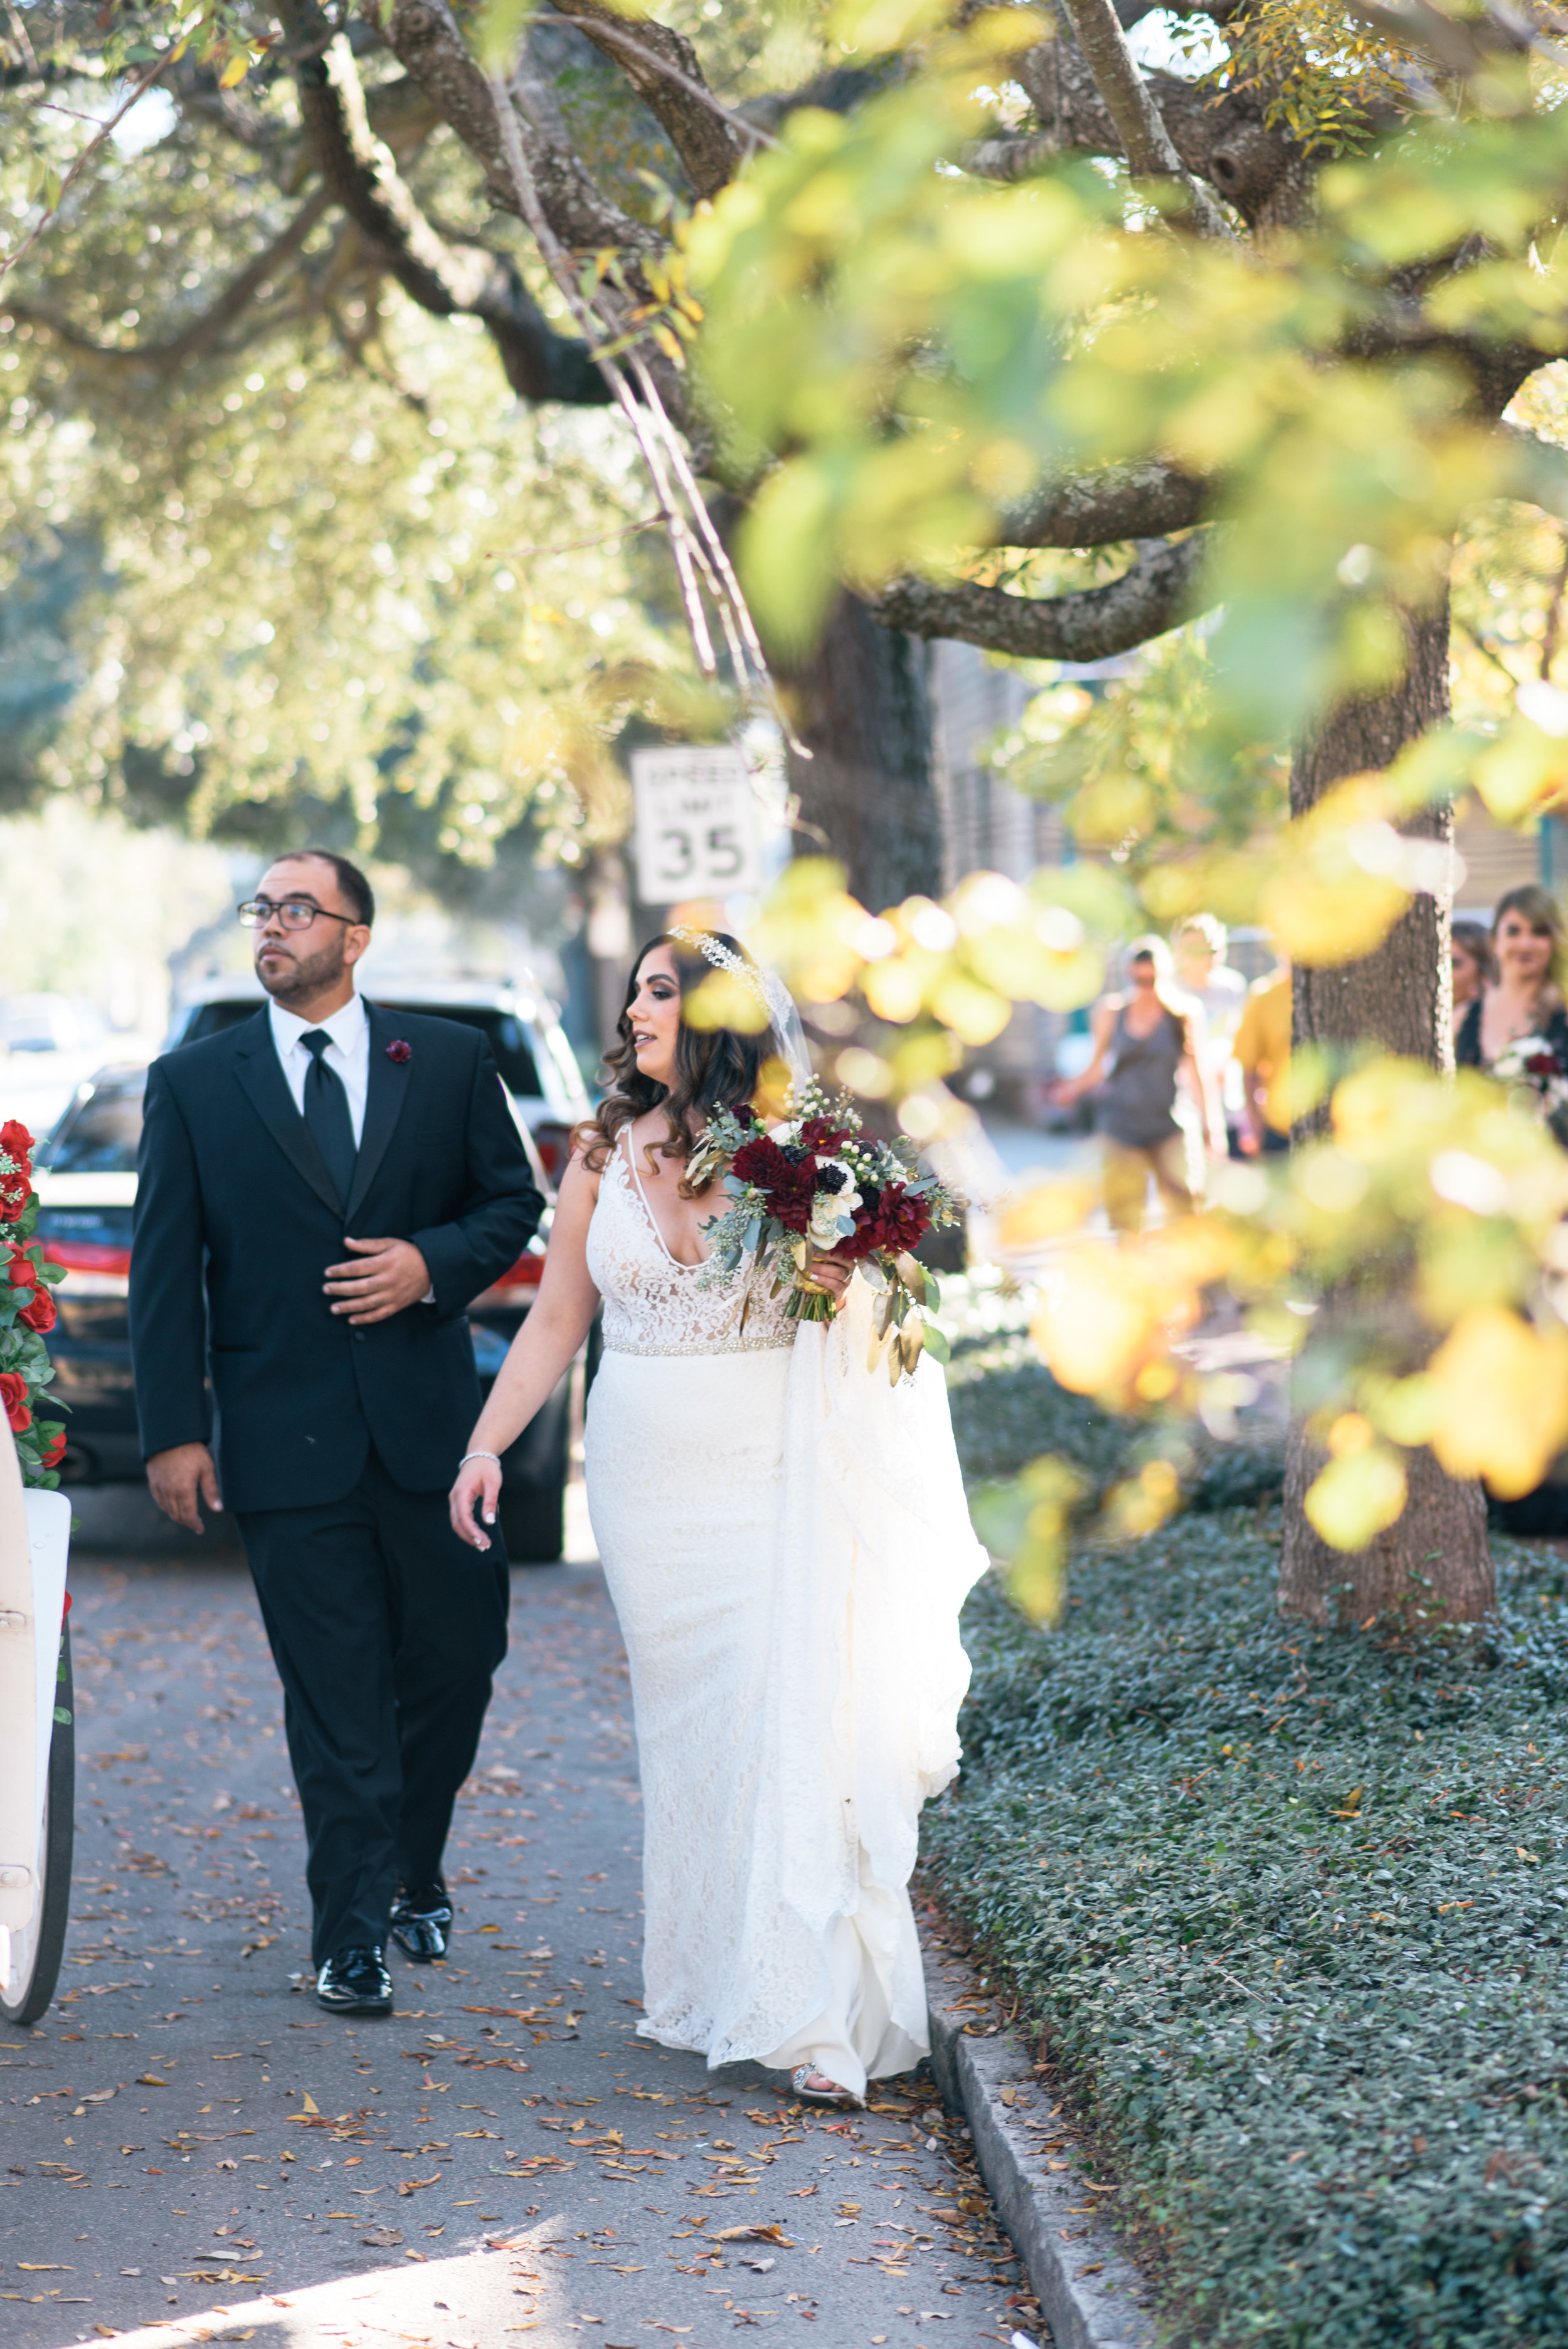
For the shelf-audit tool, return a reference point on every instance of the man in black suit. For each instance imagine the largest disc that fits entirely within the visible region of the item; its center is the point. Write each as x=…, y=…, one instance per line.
x=344, y=1379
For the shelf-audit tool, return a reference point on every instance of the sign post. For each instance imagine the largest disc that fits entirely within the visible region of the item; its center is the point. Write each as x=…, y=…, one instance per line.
x=696, y=832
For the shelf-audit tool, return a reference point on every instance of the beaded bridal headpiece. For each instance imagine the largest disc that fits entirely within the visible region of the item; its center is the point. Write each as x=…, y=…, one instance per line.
x=764, y=986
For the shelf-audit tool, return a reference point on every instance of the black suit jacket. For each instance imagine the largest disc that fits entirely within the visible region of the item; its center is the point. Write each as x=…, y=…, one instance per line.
x=236, y=1221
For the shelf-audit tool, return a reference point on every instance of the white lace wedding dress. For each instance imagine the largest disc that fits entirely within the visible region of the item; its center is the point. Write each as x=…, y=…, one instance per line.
x=787, y=1544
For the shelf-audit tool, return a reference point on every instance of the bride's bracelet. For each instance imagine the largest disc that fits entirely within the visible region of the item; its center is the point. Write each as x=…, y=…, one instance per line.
x=479, y=1455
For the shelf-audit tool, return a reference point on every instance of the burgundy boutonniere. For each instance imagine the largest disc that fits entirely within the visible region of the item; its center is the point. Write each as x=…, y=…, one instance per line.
x=399, y=1051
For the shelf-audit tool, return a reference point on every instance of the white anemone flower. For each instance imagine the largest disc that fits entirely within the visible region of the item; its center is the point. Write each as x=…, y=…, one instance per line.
x=828, y=1207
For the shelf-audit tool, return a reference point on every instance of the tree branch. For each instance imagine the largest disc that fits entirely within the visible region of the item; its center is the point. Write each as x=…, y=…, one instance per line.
x=423, y=36
x=838, y=90
x=441, y=275
x=664, y=70
x=1145, y=141
x=1142, y=500
x=1224, y=140
x=1537, y=470
x=1092, y=623
x=1025, y=156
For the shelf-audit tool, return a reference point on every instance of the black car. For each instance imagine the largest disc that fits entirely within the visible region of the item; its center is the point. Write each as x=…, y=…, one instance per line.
x=86, y=1195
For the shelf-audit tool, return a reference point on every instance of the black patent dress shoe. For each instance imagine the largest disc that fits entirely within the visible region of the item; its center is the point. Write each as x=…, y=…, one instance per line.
x=422, y=1922
x=355, y=1982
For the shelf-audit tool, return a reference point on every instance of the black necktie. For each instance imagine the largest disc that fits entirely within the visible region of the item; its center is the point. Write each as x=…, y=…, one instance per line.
x=327, y=1114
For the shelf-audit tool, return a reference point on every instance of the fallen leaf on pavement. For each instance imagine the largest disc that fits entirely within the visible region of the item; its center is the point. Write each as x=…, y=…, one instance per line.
x=752, y=2235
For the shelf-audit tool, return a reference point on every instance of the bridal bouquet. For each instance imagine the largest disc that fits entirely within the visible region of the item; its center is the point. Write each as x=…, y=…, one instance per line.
x=1538, y=1079
x=817, y=1185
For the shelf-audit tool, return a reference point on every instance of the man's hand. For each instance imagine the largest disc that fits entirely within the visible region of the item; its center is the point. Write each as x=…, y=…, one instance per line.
x=179, y=1477
x=389, y=1275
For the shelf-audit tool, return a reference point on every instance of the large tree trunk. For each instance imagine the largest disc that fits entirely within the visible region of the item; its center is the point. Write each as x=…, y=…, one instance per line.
x=866, y=794
x=1434, y=1564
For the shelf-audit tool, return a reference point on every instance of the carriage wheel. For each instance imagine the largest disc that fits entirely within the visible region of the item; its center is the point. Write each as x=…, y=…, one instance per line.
x=37, y=1947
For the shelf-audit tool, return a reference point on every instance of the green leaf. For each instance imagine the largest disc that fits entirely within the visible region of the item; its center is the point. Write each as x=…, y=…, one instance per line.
x=498, y=32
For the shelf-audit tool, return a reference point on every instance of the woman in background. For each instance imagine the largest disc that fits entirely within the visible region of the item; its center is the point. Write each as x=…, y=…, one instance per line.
x=1473, y=965
x=1526, y=996
x=1144, y=1041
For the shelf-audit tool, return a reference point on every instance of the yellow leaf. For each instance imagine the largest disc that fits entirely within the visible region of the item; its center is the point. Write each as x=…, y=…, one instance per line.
x=1140, y=1504
x=975, y=1013
x=1097, y=1322
x=1522, y=773
x=893, y=990
x=1500, y=1399
x=1044, y=1212
x=721, y=1000
x=1332, y=898
x=877, y=26
x=1357, y=1498
x=234, y=72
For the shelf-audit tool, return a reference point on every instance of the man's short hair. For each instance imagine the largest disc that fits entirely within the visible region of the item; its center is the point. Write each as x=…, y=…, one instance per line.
x=351, y=882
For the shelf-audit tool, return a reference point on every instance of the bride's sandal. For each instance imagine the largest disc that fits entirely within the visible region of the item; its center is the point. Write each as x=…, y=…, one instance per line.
x=843, y=2099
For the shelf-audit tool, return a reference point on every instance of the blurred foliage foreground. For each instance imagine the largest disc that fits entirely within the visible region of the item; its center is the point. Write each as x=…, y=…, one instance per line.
x=1290, y=1909
x=1427, y=1210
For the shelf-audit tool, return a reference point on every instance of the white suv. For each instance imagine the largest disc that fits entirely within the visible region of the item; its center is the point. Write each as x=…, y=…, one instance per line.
x=537, y=1064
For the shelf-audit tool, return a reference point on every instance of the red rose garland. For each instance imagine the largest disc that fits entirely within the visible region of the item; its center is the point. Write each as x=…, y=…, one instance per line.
x=26, y=1313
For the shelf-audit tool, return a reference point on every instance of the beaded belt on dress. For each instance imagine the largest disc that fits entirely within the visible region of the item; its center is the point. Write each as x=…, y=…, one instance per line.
x=759, y=1344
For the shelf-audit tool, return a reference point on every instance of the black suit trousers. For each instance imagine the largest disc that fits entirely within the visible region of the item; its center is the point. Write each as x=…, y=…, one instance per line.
x=387, y=1631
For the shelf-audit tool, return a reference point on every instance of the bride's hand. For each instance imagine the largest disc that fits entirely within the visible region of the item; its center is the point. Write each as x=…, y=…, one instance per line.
x=832, y=1273
x=478, y=1481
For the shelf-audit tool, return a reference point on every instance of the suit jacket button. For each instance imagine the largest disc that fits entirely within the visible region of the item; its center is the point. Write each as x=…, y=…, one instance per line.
x=359, y=1334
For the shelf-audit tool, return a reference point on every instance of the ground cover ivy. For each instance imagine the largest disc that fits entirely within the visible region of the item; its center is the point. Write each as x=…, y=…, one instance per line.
x=1291, y=1909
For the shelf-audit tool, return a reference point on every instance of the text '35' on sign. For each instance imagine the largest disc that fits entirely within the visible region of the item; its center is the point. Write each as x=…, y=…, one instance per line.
x=697, y=825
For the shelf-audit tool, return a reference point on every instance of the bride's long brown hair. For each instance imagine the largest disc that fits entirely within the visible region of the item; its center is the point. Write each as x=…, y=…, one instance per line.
x=715, y=1067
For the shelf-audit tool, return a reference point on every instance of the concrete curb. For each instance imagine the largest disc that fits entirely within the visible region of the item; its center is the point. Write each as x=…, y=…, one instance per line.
x=1090, y=2294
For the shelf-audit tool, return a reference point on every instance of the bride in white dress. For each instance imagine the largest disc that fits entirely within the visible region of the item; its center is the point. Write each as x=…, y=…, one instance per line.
x=787, y=1544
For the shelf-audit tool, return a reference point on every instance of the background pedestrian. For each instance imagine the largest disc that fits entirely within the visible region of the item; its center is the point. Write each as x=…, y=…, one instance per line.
x=1199, y=945
x=1145, y=1041
x=1473, y=966
x=1525, y=997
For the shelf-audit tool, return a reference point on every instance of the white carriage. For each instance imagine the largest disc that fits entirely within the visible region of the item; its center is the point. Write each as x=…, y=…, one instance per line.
x=37, y=1742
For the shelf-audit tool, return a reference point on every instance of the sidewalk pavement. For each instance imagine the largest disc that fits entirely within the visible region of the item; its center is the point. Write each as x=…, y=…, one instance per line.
x=283, y=2179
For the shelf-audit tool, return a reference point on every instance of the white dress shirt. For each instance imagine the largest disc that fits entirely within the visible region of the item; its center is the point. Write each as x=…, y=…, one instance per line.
x=347, y=1054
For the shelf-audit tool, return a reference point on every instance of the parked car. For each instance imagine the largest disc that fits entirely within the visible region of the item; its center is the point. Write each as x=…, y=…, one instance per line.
x=86, y=1178
x=538, y=1066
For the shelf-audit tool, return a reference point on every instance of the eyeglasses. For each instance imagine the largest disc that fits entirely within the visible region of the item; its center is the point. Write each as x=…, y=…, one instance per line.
x=294, y=913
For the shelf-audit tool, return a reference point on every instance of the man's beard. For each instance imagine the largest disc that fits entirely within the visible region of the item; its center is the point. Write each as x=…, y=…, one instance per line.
x=305, y=975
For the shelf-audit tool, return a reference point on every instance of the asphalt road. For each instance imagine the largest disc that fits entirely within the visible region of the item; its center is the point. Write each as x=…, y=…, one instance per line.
x=483, y=2165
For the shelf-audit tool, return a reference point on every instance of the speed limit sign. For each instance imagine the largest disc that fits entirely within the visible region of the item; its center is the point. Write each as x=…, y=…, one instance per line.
x=697, y=825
